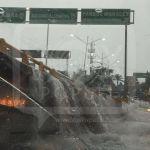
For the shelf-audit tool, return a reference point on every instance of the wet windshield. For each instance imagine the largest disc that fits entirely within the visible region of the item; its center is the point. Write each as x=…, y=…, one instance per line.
x=74, y=75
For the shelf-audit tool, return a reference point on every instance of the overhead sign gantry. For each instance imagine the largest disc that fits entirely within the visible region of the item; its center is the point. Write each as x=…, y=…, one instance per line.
x=67, y=16
x=70, y=16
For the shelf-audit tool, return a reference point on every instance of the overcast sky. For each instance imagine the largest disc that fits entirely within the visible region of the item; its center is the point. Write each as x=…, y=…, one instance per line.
x=33, y=36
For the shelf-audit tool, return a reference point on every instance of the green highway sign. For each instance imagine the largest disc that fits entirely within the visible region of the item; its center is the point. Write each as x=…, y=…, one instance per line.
x=12, y=15
x=105, y=16
x=57, y=54
x=141, y=75
x=53, y=16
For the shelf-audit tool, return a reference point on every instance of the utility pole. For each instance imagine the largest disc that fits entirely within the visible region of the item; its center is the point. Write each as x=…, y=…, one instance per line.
x=91, y=51
x=102, y=59
x=87, y=42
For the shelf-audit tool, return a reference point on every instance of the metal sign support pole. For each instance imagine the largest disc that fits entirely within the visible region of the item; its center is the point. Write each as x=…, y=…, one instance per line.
x=125, y=68
x=67, y=62
x=47, y=42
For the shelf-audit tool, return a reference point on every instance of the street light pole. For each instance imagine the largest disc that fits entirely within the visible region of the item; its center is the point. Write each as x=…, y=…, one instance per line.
x=91, y=48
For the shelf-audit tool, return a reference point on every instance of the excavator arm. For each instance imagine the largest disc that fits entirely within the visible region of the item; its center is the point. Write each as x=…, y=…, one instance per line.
x=12, y=51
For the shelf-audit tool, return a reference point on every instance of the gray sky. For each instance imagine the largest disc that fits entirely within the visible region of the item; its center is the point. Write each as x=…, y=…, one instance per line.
x=33, y=36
